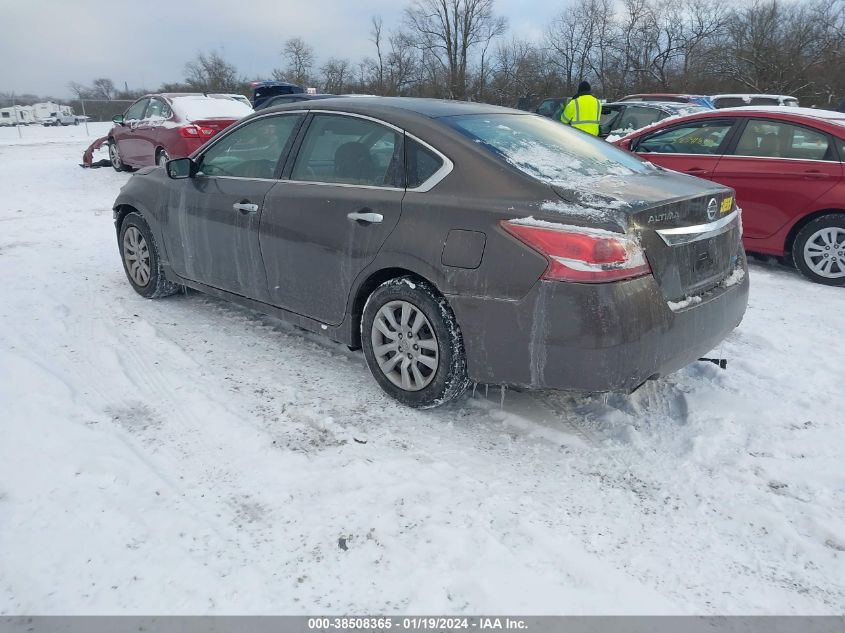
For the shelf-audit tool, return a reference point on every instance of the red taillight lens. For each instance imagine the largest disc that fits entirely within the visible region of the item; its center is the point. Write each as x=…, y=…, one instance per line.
x=580, y=254
x=197, y=131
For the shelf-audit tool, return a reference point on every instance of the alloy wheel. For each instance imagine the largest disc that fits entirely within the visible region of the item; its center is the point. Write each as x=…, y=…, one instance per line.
x=136, y=254
x=405, y=345
x=824, y=252
x=114, y=156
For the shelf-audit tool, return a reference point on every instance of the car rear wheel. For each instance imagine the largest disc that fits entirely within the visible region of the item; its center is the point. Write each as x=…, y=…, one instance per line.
x=141, y=262
x=412, y=343
x=114, y=156
x=819, y=249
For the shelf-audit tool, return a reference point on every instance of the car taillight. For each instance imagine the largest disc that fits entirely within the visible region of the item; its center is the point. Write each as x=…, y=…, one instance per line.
x=581, y=254
x=197, y=131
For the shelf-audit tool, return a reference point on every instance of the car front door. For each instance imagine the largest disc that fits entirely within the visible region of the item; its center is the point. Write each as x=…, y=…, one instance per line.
x=214, y=216
x=779, y=170
x=326, y=221
x=125, y=135
x=147, y=130
x=693, y=148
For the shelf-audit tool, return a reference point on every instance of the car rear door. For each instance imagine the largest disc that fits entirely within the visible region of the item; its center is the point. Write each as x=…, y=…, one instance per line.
x=692, y=147
x=779, y=170
x=214, y=216
x=326, y=220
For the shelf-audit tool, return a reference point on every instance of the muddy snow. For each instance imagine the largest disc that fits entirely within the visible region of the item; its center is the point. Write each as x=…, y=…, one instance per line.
x=189, y=456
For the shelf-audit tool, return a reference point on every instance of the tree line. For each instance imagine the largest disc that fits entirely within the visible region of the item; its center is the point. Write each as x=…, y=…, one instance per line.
x=461, y=49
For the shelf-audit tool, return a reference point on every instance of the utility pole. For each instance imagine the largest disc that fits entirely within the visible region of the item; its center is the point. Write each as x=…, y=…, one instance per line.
x=15, y=110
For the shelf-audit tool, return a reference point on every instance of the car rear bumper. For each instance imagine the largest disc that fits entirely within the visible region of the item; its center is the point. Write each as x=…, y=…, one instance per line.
x=593, y=337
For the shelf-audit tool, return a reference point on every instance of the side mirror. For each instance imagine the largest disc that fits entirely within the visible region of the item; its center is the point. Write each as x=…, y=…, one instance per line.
x=118, y=119
x=179, y=168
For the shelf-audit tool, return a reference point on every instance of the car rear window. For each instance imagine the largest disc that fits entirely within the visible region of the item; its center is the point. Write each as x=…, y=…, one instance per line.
x=547, y=150
x=198, y=107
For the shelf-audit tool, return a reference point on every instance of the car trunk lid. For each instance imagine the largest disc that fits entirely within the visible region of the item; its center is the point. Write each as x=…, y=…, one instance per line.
x=689, y=229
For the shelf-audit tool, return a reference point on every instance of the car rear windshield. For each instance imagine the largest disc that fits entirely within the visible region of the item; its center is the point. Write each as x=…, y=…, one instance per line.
x=547, y=150
x=198, y=107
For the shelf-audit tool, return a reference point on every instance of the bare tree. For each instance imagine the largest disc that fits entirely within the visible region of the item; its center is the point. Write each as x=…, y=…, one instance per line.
x=448, y=31
x=103, y=88
x=211, y=73
x=378, y=65
x=336, y=75
x=300, y=59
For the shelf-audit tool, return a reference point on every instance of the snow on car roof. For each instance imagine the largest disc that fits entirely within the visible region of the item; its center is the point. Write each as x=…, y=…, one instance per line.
x=197, y=107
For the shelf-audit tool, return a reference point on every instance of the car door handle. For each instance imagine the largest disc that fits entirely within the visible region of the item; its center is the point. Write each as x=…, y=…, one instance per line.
x=366, y=216
x=245, y=207
x=695, y=171
x=814, y=175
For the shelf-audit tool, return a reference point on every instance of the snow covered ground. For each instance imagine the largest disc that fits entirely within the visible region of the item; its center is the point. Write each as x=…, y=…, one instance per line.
x=190, y=456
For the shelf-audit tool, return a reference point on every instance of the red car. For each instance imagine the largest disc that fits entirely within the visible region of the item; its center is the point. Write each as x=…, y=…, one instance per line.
x=172, y=125
x=786, y=165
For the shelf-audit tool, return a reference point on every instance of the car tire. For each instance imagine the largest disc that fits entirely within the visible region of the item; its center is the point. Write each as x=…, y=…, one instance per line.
x=114, y=156
x=161, y=157
x=141, y=262
x=427, y=368
x=819, y=249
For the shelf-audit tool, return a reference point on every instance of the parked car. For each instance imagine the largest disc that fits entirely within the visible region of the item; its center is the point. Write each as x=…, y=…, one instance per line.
x=786, y=165
x=263, y=90
x=742, y=100
x=454, y=242
x=552, y=107
x=158, y=127
x=49, y=113
x=671, y=97
x=292, y=98
x=618, y=119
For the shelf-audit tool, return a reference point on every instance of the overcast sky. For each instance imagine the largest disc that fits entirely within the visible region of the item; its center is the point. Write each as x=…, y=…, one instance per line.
x=44, y=44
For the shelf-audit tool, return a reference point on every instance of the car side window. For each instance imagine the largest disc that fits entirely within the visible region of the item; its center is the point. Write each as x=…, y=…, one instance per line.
x=252, y=150
x=420, y=163
x=700, y=137
x=776, y=139
x=157, y=109
x=136, y=110
x=350, y=150
x=636, y=117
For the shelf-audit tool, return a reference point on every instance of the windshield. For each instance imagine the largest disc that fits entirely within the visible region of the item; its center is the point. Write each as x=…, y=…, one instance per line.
x=546, y=150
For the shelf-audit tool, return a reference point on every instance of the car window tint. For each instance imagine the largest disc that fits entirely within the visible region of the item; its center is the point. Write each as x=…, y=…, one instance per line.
x=349, y=150
x=136, y=110
x=547, y=108
x=421, y=163
x=252, y=150
x=702, y=137
x=775, y=139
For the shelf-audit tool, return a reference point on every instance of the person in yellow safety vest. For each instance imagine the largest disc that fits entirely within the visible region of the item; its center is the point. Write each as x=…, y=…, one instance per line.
x=583, y=111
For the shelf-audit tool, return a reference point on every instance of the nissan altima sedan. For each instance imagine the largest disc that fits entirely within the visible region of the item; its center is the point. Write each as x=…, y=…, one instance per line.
x=453, y=242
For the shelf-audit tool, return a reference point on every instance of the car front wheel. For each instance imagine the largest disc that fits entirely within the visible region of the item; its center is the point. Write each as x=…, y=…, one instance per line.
x=819, y=249
x=141, y=262
x=162, y=158
x=114, y=156
x=412, y=343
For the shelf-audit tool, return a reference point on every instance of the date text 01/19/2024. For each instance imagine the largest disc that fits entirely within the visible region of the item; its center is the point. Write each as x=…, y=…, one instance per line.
x=415, y=623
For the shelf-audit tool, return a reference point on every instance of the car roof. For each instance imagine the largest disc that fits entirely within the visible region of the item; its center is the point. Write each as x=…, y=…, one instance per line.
x=661, y=94
x=431, y=108
x=742, y=95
